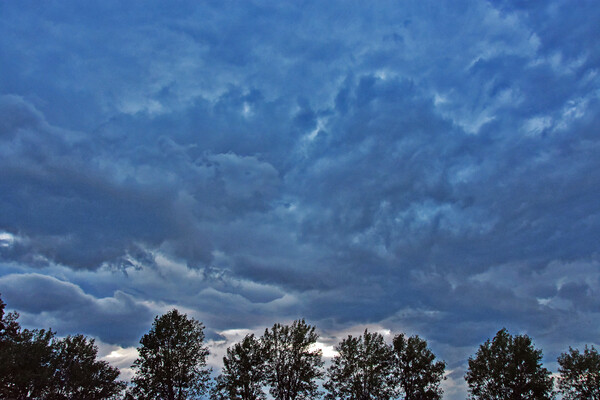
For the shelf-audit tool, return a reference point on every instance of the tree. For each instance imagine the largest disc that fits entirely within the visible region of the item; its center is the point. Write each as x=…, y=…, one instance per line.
x=2, y=323
x=417, y=373
x=34, y=364
x=508, y=368
x=172, y=360
x=9, y=327
x=579, y=374
x=79, y=375
x=26, y=359
x=243, y=372
x=361, y=370
x=293, y=363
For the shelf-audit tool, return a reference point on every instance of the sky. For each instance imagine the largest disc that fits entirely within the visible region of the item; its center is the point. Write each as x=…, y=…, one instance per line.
x=424, y=167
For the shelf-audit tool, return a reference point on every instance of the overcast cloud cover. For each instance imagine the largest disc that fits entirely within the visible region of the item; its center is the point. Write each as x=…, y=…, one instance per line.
x=423, y=167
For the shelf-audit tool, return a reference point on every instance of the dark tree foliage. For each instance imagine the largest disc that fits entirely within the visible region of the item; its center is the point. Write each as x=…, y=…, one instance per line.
x=26, y=359
x=579, y=374
x=293, y=364
x=172, y=360
x=243, y=372
x=78, y=375
x=362, y=370
x=34, y=364
x=417, y=374
x=2, y=327
x=9, y=327
x=508, y=368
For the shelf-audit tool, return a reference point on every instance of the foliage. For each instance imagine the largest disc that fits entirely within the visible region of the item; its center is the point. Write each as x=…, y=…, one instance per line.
x=417, y=373
x=243, y=372
x=579, y=374
x=34, y=364
x=9, y=327
x=77, y=373
x=361, y=370
x=26, y=359
x=293, y=364
x=508, y=368
x=2, y=326
x=172, y=360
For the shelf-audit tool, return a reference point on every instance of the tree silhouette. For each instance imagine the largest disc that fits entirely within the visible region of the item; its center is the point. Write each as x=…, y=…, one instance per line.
x=2, y=324
x=243, y=372
x=508, y=368
x=293, y=364
x=172, y=360
x=78, y=375
x=361, y=370
x=417, y=373
x=26, y=358
x=9, y=327
x=34, y=364
x=579, y=374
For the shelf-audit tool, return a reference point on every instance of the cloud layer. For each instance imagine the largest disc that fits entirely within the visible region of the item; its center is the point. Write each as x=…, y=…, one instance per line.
x=428, y=168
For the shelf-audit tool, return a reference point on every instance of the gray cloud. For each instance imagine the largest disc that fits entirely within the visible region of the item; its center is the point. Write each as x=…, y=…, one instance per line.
x=428, y=167
x=64, y=307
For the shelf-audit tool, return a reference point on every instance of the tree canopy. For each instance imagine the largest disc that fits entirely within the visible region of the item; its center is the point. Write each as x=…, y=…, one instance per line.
x=34, y=364
x=172, y=360
x=78, y=375
x=418, y=375
x=243, y=372
x=508, y=368
x=293, y=363
x=362, y=369
x=579, y=374
x=26, y=360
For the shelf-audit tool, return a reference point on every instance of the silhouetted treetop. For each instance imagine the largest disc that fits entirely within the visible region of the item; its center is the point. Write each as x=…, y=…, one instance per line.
x=509, y=368
x=172, y=360
x=579, y=374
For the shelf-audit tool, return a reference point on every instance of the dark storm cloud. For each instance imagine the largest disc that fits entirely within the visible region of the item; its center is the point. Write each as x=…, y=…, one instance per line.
x=68, y=210
x=81, y=208
x=65, y=307
x=423, y=166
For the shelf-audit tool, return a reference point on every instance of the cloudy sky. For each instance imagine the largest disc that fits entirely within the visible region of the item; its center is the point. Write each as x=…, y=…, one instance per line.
x=419, y=166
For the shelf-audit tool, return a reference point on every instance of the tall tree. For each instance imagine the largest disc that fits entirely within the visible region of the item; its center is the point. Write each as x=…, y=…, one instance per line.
x=293, y=362
x=417, y=374
x=79, y=375
x=172, y=360
x=508, y=368
x=243, y=372
x=361, y=370
x=579, y=374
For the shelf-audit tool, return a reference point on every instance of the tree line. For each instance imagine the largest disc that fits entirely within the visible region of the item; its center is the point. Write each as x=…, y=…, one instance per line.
x=284, y=362
x=35, y=364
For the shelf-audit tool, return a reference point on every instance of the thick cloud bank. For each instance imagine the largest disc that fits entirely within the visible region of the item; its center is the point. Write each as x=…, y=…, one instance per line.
x=422, y=167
